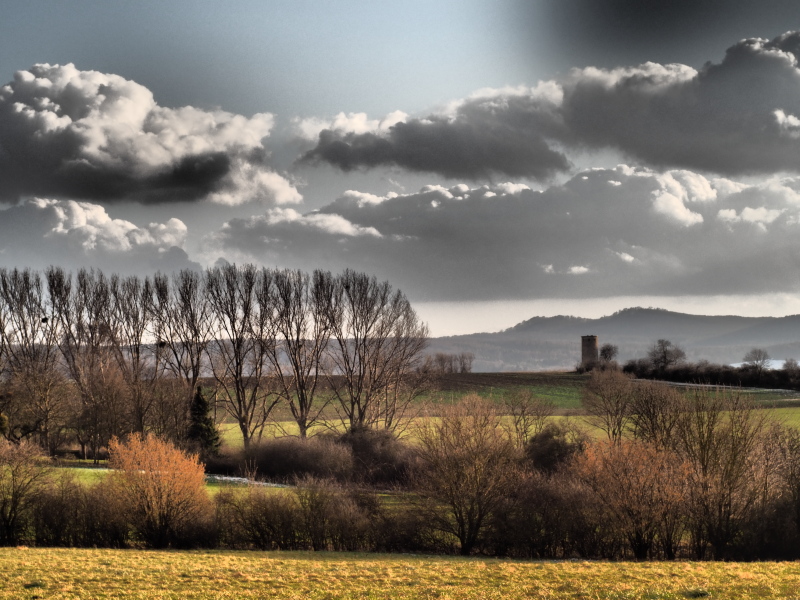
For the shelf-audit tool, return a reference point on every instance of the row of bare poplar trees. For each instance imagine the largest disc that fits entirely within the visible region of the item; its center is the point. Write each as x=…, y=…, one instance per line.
x=93, y=356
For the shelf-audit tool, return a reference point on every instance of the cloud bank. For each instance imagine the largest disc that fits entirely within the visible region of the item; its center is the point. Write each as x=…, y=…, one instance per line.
x=605, y=232
x=69, y=133
x=81, y=234
x=738, y=116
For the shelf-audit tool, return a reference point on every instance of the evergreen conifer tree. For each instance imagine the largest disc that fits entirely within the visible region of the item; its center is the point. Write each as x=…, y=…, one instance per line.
x=202, y=429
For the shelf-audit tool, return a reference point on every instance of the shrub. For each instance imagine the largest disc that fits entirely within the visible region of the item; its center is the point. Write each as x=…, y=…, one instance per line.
x=547, y=516
x=287, y=458
x=467, y=467
x=22, y=477
x=316, y=499
x=105, y=520
x=379, y=458
x=553, y=447
x=162, y=489
x=642, y=489
x=259, y=518
x=405, y=528
x=58, y=513
x=334, y=517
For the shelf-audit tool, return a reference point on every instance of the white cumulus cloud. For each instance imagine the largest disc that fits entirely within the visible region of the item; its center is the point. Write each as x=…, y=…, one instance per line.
x=70, y=133
x=75, y=234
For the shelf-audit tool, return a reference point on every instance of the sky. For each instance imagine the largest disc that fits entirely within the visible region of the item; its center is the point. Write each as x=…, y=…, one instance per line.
x=495, y=160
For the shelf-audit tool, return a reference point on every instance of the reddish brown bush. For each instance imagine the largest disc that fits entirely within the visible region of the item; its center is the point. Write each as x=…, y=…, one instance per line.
x=163, y=489
x=642, y=488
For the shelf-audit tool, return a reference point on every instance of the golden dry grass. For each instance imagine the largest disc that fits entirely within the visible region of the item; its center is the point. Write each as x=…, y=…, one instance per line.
x=65, y=573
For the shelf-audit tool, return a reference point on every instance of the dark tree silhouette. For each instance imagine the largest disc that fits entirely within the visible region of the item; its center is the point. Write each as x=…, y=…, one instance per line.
x=608, y=352
x=758, y=359
x=664, y=354
x=202, y=429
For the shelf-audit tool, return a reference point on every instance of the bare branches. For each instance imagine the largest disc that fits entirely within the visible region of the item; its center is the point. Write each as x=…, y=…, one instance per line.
x=467, y=465
x=377, y=341
x=528, y=413
x=607, y=399
x=131, y=351
x=240, y=347
x=295, y=305
x=28, y=338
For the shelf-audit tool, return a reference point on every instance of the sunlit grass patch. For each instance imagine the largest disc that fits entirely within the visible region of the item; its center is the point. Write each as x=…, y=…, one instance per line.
x=62, y=574
x=789, y=417
x=86, y=475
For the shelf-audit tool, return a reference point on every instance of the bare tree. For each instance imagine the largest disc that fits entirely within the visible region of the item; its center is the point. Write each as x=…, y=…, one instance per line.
x=718, y=434
x=240, y=348
x=444, y=363
x=465, y=360
x=663, y=354
x=28, y=337
x=182, y=334
x=377, y=343
x=468, y=466
x=607, y=399
x=294, y=304
x=132, y=317
x=757, y=359
x=86, y=343
x=654, y=413
x=528, y=413
x=791, y=367
x=168, y=416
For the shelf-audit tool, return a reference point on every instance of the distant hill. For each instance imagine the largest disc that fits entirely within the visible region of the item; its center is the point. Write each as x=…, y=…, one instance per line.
x=543, y=343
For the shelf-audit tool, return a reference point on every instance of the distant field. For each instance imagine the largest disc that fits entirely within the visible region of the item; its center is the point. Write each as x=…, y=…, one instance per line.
x=201, y=575
x=563, y=389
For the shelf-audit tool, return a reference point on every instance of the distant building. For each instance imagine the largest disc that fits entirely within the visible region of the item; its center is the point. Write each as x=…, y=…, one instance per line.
x=590, y=355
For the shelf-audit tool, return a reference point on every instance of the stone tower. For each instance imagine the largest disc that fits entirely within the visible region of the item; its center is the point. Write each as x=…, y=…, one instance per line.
x=589, y=353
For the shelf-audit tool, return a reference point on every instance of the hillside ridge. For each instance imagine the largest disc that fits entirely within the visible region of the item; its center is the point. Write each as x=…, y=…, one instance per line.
x=540, y=343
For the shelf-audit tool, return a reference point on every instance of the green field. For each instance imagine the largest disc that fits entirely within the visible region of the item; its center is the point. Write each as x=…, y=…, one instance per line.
x=67, y=573
x=232, y=438
x=563, y=390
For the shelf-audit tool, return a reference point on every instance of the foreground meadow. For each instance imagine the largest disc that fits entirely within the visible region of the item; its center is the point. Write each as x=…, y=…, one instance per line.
x=68, y=573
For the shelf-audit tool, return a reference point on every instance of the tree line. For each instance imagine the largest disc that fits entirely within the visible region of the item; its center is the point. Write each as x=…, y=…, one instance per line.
x=701, y=474
x=667, y=361
x=88, y=357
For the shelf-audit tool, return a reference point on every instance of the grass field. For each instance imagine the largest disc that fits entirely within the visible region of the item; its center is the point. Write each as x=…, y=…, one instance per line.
x=232, y=437
x=66, y=573
x=562, y=389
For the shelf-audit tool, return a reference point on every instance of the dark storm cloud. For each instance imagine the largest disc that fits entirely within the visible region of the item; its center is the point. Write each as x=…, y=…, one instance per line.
x=82, y=134
x=614, y=232
x=739, y=116
x=476, y=144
